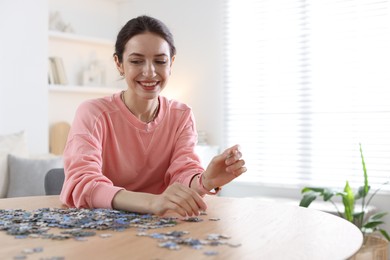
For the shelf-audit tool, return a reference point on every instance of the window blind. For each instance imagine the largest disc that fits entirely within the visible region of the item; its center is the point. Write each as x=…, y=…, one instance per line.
x=306, y=82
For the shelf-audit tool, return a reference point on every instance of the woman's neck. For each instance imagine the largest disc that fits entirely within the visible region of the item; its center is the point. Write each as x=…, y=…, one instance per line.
x=144, y=111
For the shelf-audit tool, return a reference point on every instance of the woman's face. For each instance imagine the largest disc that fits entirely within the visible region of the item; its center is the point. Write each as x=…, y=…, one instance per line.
x=146, y=65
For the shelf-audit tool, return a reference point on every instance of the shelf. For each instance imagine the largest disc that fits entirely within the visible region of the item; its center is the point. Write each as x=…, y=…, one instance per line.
x=79, y=38
x=83, y=89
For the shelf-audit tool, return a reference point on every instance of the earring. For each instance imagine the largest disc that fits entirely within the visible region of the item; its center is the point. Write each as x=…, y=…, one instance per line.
x=121, y=73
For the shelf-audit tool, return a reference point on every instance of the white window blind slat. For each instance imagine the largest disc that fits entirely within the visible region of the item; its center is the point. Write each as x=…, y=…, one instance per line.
x=306, y=82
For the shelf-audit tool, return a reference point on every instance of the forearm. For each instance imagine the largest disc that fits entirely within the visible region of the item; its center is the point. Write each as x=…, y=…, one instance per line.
x=194, y=184
x=176, y=198
x=201, y=185
x=221, y=170
x=133, y=201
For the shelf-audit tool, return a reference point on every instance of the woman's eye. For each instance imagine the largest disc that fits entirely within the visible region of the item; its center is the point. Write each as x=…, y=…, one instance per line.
x=136, y=61
x=161, y=61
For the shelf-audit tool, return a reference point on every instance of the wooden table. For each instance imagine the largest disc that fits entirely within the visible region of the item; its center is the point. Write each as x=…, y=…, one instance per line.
x=265, y=230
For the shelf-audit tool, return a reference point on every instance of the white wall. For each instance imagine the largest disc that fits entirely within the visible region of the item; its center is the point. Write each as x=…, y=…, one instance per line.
x=23, y=71
x=197, y=72
x=95, y=18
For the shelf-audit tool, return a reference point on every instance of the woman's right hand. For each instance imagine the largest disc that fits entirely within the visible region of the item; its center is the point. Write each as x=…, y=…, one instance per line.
x=179, y=199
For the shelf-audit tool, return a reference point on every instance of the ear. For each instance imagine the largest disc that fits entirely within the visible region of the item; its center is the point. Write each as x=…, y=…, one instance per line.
x=172, y=60
x=170, y=66
x=119, y=65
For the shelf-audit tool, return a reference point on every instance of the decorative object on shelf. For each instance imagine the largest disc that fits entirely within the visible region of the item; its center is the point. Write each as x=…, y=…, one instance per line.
x=57, y=73
x=93, y=75
x=57, y=24
x=374, y=247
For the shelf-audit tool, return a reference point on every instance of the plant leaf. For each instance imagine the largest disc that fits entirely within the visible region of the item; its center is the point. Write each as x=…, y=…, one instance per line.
x=328, y=194
x=366, y=187
x=384, y=233
x=342, y=193
x=372, y=224
x=358, y=218
x=307, y=199
x=349, y=202
x=378, y=215
x=315, y=189
x=361, y=192
x=358, y=214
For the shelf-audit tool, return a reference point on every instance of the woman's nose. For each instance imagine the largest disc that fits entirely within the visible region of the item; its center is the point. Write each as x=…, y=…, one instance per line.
x=149, y=70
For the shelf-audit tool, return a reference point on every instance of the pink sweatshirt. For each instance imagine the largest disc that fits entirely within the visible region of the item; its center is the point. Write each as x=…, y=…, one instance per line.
x=109, y=149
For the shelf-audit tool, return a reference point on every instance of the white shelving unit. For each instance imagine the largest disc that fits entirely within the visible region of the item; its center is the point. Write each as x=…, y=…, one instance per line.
x=79, y=38
x=82, y=89
x=78, y=52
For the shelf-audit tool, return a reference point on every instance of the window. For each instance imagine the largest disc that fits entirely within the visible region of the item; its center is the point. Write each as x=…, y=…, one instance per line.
x=306, y=82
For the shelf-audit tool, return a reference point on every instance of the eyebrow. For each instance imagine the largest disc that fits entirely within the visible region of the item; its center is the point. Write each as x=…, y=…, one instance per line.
x=141, y=55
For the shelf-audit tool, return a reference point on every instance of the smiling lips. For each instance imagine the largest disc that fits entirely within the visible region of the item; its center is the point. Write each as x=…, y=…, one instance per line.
x=148, y=85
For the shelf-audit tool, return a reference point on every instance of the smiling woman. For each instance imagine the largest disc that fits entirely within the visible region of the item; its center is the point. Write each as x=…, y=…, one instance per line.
x=135, y=150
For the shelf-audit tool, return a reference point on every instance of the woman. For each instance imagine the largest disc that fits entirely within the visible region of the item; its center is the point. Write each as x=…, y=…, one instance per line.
x=134, y=150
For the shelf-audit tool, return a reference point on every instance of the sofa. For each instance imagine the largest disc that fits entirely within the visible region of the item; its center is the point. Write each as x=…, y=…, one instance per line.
x=21, y=173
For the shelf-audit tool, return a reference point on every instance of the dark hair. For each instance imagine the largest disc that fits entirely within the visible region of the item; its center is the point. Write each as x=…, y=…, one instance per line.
x=140, y=25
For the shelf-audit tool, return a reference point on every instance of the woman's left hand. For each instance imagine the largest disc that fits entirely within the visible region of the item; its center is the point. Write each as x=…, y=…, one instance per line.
x=224, y=168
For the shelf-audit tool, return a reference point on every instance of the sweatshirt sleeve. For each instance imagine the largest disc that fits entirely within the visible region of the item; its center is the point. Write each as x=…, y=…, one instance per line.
x=185, y=163
x=85, y=186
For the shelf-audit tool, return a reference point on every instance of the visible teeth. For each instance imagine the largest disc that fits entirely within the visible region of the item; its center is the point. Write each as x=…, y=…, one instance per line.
x=149, y=84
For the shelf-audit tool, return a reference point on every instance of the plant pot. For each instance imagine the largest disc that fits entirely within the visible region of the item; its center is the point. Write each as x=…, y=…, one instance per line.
x=374, y=248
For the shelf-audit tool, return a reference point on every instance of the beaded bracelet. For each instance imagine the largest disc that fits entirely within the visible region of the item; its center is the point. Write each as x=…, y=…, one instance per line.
x=203, y=189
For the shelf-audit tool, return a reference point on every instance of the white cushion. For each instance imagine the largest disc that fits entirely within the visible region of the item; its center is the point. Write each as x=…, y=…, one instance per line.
x=27, y=175
x=14, y=143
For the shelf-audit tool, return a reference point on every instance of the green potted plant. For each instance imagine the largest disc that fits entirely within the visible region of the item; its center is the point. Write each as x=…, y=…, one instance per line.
x=352, y=212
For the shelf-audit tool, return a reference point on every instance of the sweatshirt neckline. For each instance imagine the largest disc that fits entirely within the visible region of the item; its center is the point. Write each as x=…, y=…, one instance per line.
x=134, y=120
